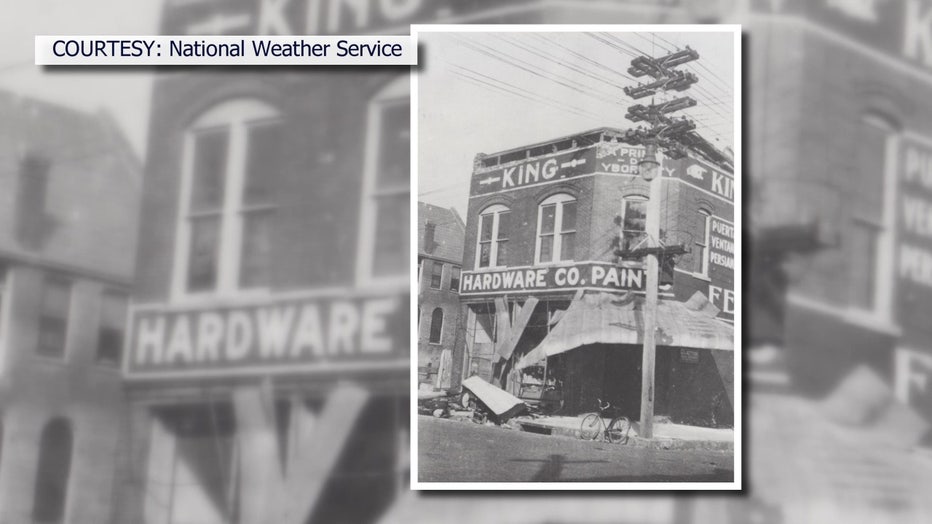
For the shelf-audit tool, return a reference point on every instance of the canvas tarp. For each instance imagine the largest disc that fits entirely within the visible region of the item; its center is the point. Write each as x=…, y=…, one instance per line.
x=604, y=318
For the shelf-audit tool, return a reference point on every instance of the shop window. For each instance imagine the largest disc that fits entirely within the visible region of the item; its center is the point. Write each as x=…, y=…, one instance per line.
x=492, y=243
x=556, y=229
x=633, y=223
x=51, y=487
x=701, y=254
x=436, y=326
x=193, y=451
x=232, y=157
x=53, y=317
x=110, y=331
x=384, y=238
x=436, y=274
x=371, y=475
x=869, y=234
x=455, y=279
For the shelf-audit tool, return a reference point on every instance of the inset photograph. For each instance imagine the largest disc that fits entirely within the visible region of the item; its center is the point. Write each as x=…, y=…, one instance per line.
x=578, y=258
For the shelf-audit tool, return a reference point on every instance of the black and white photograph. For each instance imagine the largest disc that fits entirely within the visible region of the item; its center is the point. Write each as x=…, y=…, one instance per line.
x=578, y=198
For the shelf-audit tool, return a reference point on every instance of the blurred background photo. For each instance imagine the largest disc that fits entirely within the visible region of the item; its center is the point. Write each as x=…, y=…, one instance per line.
x=104, y=225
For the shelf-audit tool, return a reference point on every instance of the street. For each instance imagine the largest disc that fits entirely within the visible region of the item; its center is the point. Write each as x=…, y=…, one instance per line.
x=456, y=451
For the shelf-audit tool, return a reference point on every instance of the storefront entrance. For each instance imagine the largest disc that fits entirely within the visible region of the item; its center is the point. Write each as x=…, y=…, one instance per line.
x=195, y=470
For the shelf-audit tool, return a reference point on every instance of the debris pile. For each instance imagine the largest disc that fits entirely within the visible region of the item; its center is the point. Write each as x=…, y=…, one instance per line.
x=479, y=401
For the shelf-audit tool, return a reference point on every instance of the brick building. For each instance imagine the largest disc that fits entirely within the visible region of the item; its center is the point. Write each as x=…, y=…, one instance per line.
x=69, y=191
x=545, y=288
x=840, y=223
x=439, y=261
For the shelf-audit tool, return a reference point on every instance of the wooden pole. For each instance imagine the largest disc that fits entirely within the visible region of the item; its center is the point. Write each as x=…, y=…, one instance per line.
x=649, y=354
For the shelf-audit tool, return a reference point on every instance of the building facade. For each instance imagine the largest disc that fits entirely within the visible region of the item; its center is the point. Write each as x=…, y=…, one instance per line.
x=545, y=266
x=440, y=262
x=69, y=190
x=857, y=283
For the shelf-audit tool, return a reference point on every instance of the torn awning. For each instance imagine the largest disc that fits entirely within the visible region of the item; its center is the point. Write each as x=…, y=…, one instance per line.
x=604, y=318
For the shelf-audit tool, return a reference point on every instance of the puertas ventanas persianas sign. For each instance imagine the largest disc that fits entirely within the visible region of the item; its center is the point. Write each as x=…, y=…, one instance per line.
x=582, y=275
x=279, y=336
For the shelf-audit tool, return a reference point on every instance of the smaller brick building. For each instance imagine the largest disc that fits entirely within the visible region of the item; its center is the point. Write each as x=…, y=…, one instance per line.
x=554, y=314
x=439, y=262
x=69, y=193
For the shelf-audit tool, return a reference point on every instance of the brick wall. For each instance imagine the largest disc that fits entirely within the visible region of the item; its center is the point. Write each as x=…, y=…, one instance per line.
x=316, y=223
x=428, y=300
x=35, y=389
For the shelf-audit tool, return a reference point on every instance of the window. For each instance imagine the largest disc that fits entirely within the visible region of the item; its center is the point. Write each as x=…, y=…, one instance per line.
x=869, y=234
x=3, y=290
x=110, y=332
x=436, y=274
x=633, y=223
x=430, y=234
x=30, y=201
x=436, y=326
x=384, y=238
x=556, y=229
x=232, y=158
x=52, y=474
x=53, y=317
x=701, y=256
x=455, y=279
x=492, y=248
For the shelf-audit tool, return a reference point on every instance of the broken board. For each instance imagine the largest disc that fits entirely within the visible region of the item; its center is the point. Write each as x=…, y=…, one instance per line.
x=501, y=403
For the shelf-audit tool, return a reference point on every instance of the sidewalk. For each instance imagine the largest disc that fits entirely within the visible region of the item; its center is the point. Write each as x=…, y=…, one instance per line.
x=666, y=435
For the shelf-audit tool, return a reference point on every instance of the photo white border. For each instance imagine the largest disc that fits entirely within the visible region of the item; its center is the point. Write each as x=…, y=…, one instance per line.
x=736, y=484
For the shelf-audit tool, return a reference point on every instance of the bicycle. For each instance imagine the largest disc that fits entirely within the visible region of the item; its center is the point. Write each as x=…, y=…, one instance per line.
x=593, y=426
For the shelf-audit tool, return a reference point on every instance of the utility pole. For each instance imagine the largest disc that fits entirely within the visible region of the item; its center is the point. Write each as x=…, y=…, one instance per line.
x=673, y=136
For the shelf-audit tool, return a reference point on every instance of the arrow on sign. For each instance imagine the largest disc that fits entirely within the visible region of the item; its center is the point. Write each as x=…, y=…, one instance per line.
x=574, y=162
x=487, y=181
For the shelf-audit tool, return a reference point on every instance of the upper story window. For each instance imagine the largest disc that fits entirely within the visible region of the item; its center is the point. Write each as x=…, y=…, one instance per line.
x=556, y=229
x=31, y=218
x=430, y=235
x=701, y=256
x=3, y=293
x=384, y=238
x=53, y=317
x=110, y=332
x=492, y=242
x=436, y=274
x=232, y=154
x=633, y=223
x=871, y=228
x=455, y=279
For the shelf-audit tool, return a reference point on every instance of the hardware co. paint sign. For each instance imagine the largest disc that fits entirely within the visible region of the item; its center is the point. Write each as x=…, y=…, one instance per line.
x=280, y=336
x=535, y=279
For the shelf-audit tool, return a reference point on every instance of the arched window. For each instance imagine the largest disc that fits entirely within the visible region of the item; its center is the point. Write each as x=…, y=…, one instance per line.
x=232, y=154
x=436, y=326
x=385, y=210
x=556, y=229
x=51, y=489
x=492, y=240
x=873, y=216
x=702, y=243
